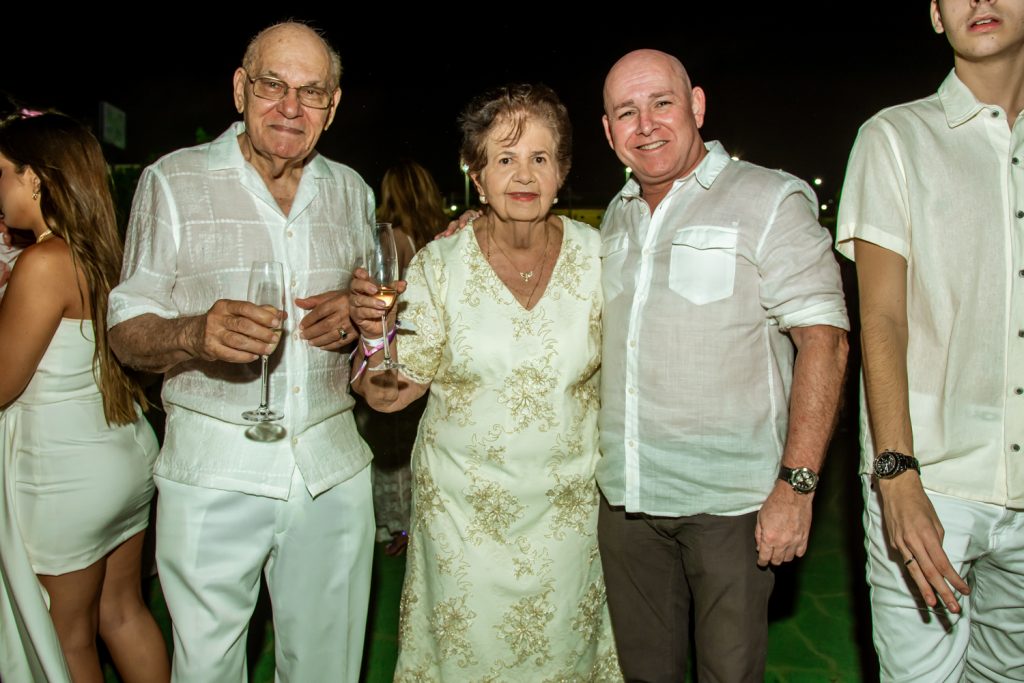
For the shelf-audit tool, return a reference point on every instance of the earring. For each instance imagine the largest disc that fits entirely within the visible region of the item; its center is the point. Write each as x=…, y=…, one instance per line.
x=556, y=201
x=35, y=196
x=483, y=199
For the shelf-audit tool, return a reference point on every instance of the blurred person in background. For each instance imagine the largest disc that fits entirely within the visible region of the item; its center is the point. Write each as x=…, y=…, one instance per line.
x=411, y=202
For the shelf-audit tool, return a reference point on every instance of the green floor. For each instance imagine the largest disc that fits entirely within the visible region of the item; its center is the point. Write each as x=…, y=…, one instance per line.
x=819, y=622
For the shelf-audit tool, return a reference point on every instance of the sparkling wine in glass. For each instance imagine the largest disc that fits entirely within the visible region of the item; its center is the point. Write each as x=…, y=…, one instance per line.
x=382, y=265
x=266, y=288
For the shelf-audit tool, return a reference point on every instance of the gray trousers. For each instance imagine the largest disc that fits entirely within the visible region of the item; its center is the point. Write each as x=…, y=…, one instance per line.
x=656, y=567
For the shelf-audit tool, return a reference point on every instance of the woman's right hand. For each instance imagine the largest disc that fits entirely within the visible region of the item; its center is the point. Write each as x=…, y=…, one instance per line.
x=365, y=308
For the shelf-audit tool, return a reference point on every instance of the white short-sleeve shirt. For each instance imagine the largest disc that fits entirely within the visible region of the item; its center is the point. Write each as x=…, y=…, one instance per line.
x=939, y=181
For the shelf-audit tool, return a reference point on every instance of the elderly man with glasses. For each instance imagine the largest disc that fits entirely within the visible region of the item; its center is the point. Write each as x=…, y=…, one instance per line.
x=297, y=508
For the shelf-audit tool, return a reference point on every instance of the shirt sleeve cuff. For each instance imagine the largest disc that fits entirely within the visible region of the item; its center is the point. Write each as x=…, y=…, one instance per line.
x=869, y=233
x=825, y=313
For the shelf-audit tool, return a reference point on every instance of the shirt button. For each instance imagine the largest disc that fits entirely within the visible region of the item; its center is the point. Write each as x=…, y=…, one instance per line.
x=1015, y=447
x=995, y=115
x=1020, y=214
x=632, y=444
x=295, y=335
x=1020, y=273
x=291, y=234
x=295, y=390
x=1015, y=161
x=294, y=283
x=632, y=391
x=1020, y=333
x=632, y=342
x=295, y=441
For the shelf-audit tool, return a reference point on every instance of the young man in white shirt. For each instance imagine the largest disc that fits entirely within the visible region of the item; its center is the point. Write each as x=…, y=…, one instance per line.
x=932, y=209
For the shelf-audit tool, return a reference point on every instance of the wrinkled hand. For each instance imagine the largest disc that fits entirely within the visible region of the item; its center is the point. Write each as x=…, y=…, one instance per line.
x=459, y=223
x=916, y=533
x=783, y=525
x=235, y=331
x=366, y=310
x=327, y=325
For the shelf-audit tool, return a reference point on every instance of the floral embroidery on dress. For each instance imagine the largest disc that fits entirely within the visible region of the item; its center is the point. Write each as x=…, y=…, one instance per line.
x=574, y=499
x=450, y=623
x=494, y=511
x=526, y=395
x=590, y=616
x=524, y=628
x=566, y=279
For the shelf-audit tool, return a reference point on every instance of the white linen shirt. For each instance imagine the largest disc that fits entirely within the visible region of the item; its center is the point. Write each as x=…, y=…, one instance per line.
x=199, y=219
x=697, y=367
x=940, y=182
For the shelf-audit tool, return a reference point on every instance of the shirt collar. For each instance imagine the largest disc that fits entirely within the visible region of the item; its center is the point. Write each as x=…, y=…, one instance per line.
x=958, y=102
x=706, y=172
x=226, y=154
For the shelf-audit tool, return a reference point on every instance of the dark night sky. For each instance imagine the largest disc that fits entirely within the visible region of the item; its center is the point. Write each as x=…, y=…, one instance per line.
x=786, y=88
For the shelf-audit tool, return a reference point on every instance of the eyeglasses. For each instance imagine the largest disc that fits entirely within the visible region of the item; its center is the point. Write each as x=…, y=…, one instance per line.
x=267, y=88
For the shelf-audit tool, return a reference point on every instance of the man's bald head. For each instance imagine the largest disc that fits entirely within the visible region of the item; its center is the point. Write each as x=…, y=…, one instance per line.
x=289, y=30
x=640, y=60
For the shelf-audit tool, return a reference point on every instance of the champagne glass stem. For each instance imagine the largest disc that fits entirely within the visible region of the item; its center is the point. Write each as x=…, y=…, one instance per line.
x=264, y=387
x=387, y=345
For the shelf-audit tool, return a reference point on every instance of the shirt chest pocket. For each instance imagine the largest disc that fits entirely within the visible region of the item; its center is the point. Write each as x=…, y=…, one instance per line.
x=703, y=268
x=613, y=258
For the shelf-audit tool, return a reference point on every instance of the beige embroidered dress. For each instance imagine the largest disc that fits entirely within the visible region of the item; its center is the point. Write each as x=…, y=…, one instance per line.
x=504, y=581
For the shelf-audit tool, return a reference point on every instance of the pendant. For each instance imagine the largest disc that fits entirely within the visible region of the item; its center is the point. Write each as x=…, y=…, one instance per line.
x=526, y=276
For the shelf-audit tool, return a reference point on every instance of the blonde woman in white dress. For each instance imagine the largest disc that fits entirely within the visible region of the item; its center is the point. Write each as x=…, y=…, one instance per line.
x=503, y=580
x=77, y=454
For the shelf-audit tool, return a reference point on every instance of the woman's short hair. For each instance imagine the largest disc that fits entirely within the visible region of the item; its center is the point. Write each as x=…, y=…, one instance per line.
x=514, y=105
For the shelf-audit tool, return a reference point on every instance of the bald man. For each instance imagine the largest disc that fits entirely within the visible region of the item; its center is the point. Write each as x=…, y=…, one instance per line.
x=724, y=355
x=294, y=503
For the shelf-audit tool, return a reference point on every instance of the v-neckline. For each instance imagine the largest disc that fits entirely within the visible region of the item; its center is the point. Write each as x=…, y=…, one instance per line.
x=508, y=290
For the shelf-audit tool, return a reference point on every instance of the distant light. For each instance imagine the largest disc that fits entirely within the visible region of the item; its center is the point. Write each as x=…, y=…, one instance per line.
x=735, y=158
x=824, y=207
x=817, y=181
x=454, y=207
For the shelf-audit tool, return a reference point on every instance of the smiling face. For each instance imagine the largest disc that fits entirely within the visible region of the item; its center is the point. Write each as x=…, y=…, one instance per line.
x=981, y=30
x=285, y=129
x=17, y=207
x=521, y=177
x=653, y=118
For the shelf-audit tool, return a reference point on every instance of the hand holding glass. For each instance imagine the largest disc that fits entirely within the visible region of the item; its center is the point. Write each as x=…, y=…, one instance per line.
x=382, y=265
x=266, y=288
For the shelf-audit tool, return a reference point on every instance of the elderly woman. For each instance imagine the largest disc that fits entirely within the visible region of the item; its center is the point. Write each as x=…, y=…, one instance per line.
x=504, y=579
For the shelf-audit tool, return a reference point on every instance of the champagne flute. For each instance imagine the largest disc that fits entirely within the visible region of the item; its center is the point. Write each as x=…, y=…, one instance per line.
x=382, y=265
x=266, y=288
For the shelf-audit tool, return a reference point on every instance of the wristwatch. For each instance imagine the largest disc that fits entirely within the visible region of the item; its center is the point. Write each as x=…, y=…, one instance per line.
x=889, y=464
x=802, y=479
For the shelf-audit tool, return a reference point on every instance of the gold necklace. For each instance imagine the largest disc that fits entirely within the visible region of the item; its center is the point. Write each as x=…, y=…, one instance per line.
x=525, y=275
x=44, y=236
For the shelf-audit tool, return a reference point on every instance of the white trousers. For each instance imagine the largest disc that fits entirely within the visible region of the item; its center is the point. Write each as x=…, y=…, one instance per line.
x=316, y=554
x=984, y=543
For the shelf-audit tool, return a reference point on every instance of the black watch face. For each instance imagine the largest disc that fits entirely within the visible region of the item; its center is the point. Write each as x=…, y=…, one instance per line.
x=803, y=480
x=885, y=465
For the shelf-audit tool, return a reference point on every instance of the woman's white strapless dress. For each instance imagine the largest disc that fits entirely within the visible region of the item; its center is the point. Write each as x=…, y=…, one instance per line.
x=74, y=489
